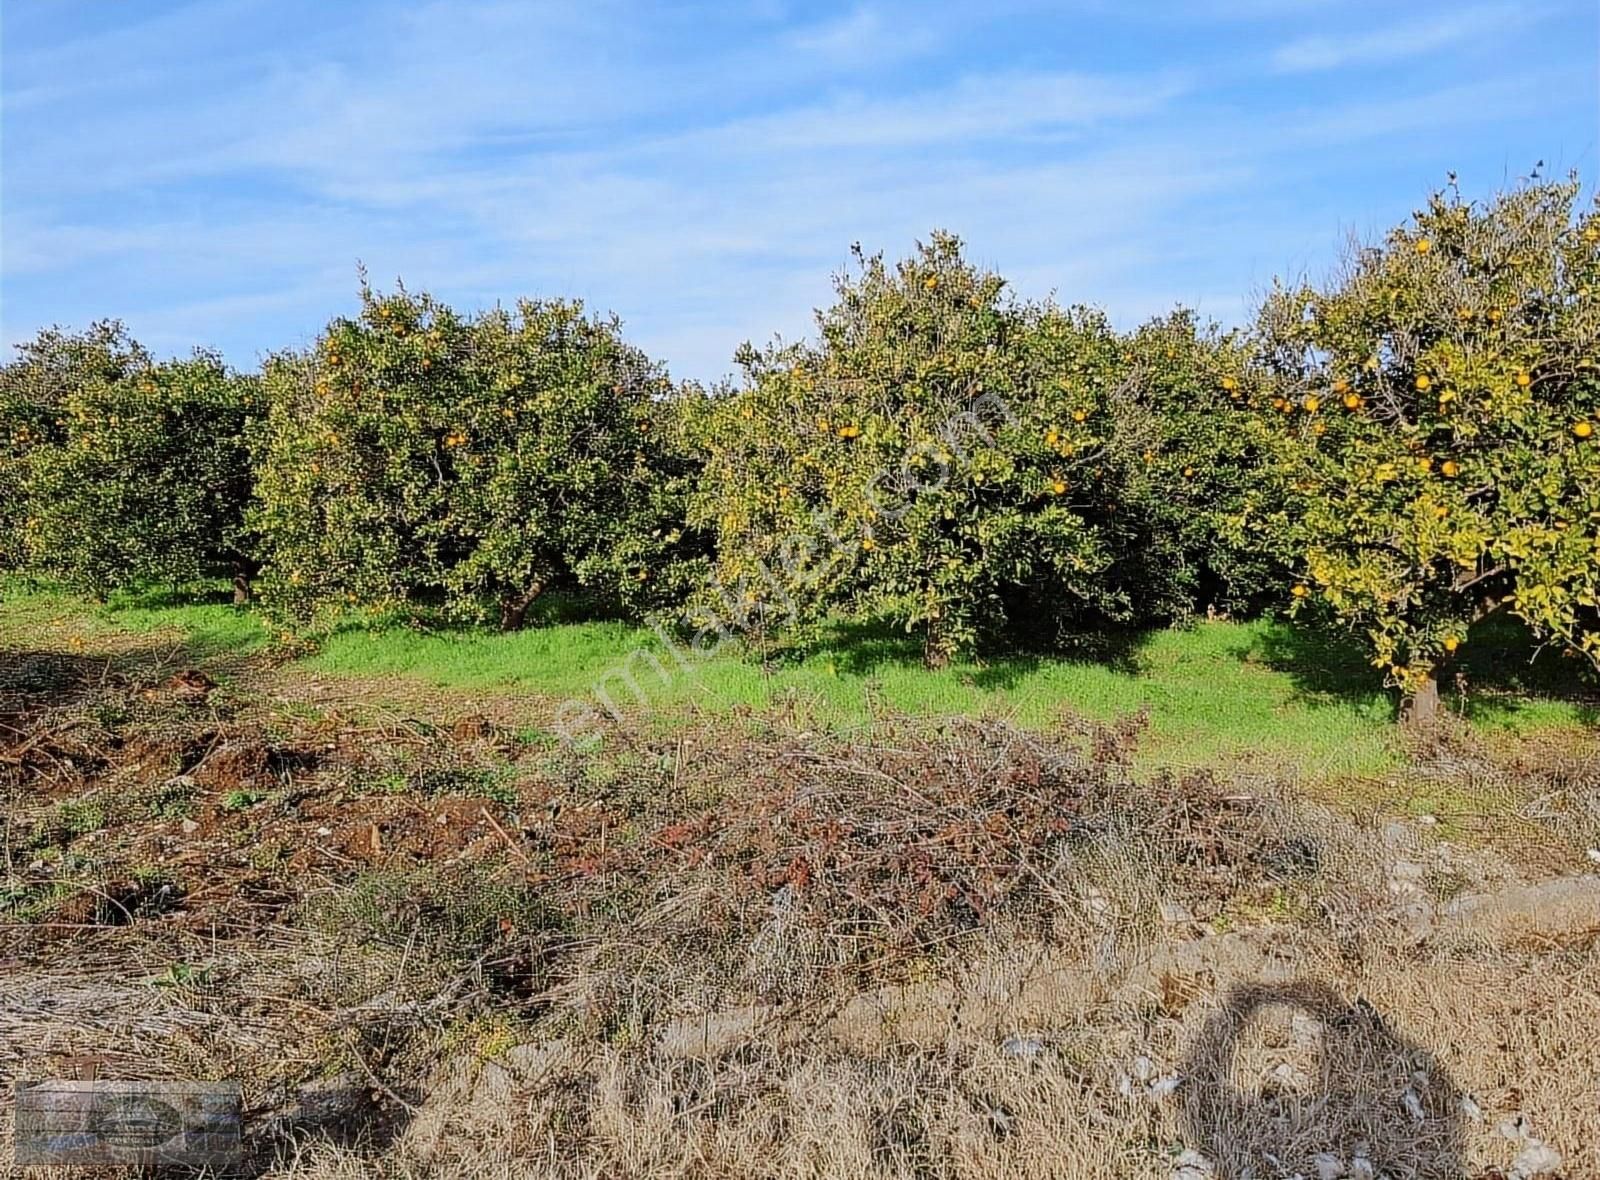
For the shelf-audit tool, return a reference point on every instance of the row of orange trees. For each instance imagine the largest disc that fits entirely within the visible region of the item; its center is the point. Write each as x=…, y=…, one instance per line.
x=1407, y=448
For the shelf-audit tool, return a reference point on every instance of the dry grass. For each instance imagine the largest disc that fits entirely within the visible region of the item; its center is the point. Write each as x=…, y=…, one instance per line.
x=922, y=950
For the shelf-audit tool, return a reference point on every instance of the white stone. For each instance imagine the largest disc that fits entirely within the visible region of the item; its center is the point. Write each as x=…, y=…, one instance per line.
x=1536, y=1158
x=1191, y=1165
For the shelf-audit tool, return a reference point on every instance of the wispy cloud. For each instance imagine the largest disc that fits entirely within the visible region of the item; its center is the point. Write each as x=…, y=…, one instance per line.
x=865, y=36
x=214, y=170
x=1397, y=42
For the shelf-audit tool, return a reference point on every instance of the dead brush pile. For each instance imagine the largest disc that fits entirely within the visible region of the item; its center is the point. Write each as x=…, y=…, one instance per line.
x=782, y=866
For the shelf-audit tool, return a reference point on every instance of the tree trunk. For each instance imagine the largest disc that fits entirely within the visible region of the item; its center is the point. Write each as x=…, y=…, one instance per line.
x=514, y=608
x=934, y=653
x=1421, y=709
x=241, y=590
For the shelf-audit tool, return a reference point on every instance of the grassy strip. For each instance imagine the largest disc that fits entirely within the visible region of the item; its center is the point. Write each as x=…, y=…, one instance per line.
x=1240, y=695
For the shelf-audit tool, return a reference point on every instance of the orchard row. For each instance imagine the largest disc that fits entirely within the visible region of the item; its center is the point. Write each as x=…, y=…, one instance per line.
x=1405, y=448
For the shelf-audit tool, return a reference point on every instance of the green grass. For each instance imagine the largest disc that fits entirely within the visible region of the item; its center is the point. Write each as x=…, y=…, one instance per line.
x=1256, y=695
x=204, y=621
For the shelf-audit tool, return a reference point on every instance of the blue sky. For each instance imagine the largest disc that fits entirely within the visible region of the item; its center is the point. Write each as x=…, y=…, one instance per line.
x=212, y=172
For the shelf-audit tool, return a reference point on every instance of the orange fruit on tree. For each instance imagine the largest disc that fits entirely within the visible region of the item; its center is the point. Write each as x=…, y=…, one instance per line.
x=1352, y=401
x=1450, y=468
x=1583, y=429
x=1423, y=381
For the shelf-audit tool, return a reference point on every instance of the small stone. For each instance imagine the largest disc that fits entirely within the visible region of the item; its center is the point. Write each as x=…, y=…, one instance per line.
x=1514, y=1128
x=1413, y=1104
x=1427, y=820
x=1470, y=1108
x=324, y=832
x=1594, y=855
x=1162, y=1087
x=1175, y=913
x=1329, y=1167
x=1143, y=1068
x=1286, y=1075
x=1191, y=1165
x=1536, y=1158
x=1021, y=1047
x=189, y=827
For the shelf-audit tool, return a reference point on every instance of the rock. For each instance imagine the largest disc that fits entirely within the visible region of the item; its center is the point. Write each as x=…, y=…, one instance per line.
x=533, y=1061
x=1162, y=1087
x=1406, y=877
x=1412, y=1101
x=1554, y=908
x=1175, y=913
x=1329, y=1167
x=1514, y=1128
x=1021, y=1047
x=1536, y=1158
x=189, y=827
x=713, y=1033
x=1191, y=1165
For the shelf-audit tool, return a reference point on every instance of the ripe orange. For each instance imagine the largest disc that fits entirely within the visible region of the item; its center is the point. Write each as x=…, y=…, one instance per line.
x=1450, y=468
x=1312, y=405
x=1423, y=246
x=1057, y=488
x=868, y=543
x=1583, y=429
x=1301, y=591
x=1451, y=643
x=1079, y=415
x=1423, y=381
x=1524, y=380
x=1230, y=383
x=1352, y=401
x=930, y=283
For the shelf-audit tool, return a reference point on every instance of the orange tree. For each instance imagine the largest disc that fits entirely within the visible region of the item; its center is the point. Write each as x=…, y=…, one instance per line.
x=1442, y=398
x=1210, y=528
x=943, y=456
x=142, y=473
x=49, y=370
x=416, y=454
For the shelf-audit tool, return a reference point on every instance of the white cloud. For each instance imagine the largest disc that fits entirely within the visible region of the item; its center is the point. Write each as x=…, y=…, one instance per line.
x=1396, y=42
x=866, y=36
